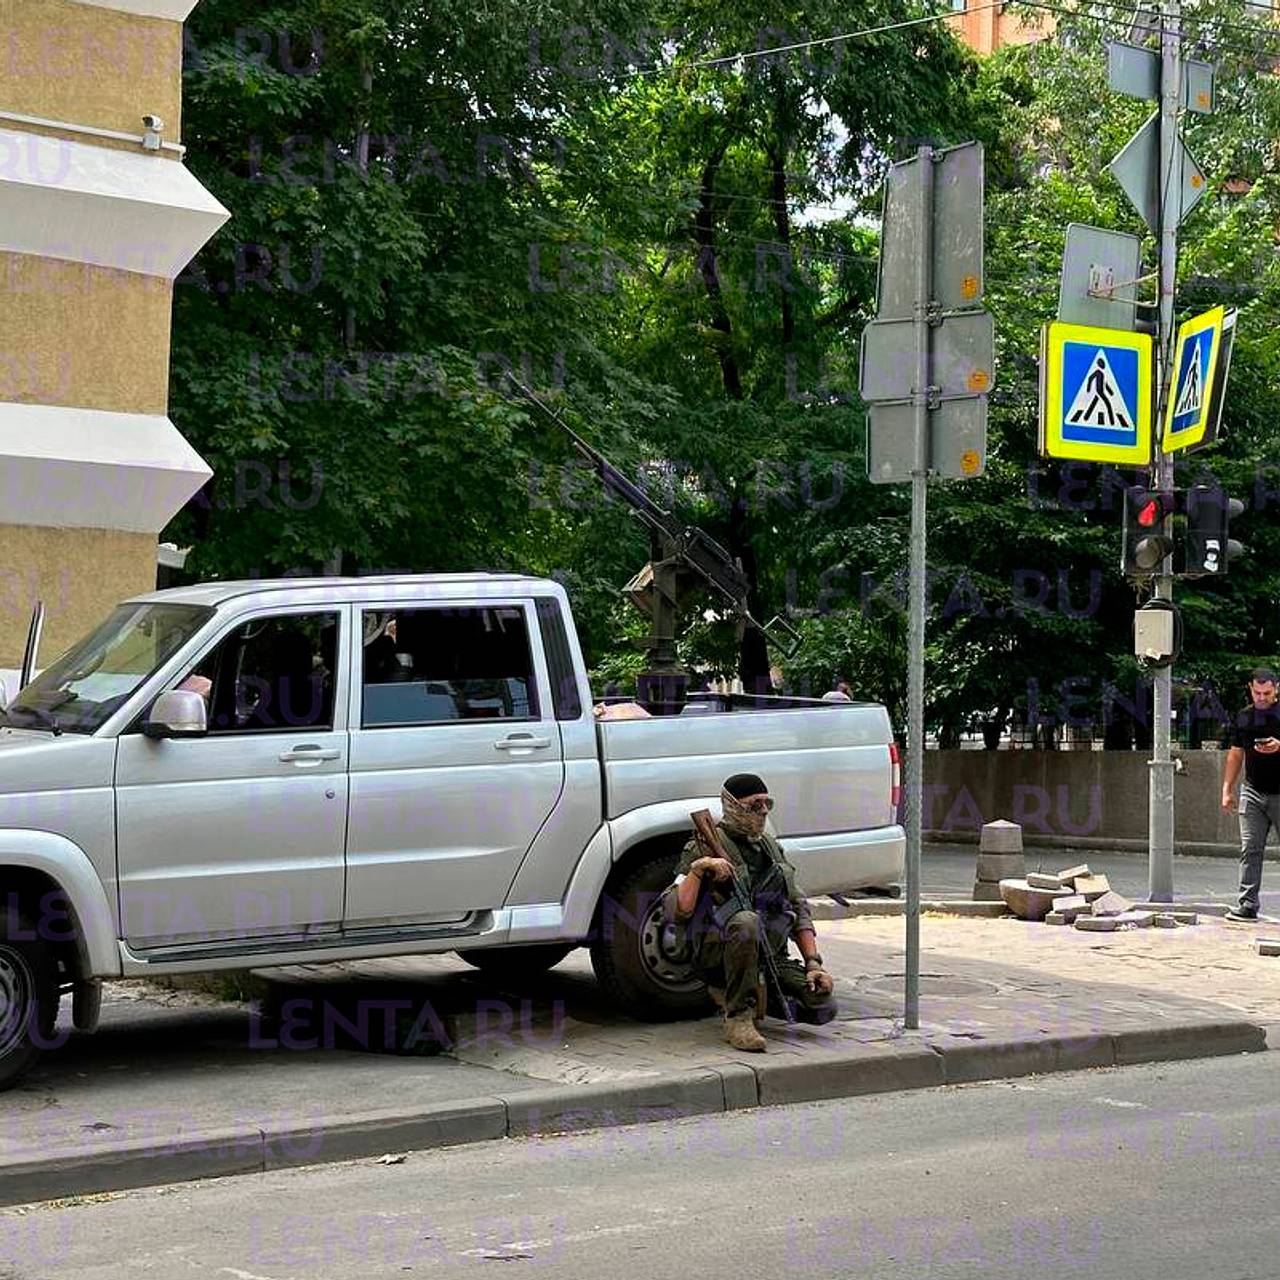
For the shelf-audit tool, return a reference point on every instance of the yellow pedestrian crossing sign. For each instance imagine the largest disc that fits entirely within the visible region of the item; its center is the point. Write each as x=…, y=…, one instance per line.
x=1095, y=394
x=1195, y=394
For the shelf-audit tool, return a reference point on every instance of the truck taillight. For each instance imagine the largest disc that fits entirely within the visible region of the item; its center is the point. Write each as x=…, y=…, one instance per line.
x=895, y=763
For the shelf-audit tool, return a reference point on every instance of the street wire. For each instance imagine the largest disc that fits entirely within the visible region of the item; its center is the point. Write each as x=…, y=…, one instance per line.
x=666, y=68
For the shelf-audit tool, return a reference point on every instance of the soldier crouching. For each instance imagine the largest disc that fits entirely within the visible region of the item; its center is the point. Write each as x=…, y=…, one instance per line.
x=728, y=941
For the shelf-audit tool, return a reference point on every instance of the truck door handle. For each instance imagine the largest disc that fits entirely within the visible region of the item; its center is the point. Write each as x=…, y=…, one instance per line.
x=521, y=742
x=309, y=753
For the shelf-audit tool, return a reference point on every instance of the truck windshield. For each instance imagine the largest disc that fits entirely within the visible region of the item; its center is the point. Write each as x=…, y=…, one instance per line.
x=95, y=677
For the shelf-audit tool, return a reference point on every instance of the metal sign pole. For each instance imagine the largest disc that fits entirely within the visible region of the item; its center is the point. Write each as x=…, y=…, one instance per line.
x=923, y=316
x=1160, y=791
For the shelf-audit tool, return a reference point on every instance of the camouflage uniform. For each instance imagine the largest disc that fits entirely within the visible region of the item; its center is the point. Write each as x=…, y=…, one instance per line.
x=729, y=958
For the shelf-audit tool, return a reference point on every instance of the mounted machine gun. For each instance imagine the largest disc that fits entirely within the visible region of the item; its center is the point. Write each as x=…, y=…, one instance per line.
x=682, y=558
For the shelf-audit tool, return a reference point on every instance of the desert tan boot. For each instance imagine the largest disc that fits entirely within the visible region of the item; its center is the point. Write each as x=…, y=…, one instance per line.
x=740, y=1031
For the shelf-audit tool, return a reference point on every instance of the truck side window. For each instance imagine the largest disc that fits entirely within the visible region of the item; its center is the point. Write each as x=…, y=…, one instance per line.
x=424, y=666
x=271, y=674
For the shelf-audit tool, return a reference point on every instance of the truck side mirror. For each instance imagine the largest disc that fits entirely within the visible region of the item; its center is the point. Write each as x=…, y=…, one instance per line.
x=177, y=713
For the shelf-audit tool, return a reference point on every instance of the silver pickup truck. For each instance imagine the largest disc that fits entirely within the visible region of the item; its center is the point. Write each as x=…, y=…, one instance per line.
x=263, y=773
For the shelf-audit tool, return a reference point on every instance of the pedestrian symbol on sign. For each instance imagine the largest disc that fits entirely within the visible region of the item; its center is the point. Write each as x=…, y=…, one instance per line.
x=1099, y=402
x=1190, y=392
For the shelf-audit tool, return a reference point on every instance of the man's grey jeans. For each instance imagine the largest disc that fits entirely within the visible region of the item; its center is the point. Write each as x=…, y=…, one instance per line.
x=1259, y=812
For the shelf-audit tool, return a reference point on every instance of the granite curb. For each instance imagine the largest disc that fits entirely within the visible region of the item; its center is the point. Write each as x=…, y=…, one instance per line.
x=911, y=1062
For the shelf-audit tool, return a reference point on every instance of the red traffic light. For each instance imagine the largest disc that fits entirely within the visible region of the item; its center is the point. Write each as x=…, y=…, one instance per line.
x=1150, y=513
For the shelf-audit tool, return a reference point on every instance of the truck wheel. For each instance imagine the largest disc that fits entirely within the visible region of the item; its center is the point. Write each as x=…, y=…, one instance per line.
x=28, y=997
x=517, y=962
x=638, y=961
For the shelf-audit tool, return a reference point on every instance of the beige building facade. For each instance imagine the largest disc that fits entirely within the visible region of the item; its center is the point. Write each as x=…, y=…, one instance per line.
x=98, y=215
x=986, y=28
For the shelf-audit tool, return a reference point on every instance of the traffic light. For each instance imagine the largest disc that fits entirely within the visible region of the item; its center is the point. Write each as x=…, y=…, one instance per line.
x=1209, y=548
x=1146, y=543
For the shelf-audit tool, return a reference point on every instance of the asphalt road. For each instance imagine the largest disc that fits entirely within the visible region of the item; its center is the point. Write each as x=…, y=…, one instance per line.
x=947, y=872
x=1164, y=1172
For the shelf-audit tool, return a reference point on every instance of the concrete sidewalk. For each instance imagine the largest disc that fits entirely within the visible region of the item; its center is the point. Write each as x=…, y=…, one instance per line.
x=179, y=1086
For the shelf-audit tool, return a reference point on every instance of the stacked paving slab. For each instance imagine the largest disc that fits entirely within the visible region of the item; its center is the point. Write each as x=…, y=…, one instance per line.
x=1077, y=897
x=1000, y=857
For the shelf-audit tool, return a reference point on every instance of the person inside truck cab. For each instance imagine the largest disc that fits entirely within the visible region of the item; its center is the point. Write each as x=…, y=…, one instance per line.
x=727, y=957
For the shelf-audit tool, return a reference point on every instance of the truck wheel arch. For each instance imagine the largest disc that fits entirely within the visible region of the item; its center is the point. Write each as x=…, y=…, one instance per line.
x=36, y=866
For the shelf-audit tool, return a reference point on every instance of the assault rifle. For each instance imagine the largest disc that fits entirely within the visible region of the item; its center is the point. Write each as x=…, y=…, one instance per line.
x=739, y=899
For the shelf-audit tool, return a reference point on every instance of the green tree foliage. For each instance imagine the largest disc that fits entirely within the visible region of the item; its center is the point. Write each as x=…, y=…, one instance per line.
x=683, y=260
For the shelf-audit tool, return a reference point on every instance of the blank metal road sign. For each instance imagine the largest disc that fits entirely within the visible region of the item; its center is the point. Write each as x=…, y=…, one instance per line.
x=957, y=177
x=1196, y=369
x=1137, y=169
x=1100, y=269
x=962, y=357
x=1095, y=394
x=957, y=440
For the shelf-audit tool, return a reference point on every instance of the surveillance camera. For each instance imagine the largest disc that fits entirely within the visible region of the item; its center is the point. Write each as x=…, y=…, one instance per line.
x=152, y=122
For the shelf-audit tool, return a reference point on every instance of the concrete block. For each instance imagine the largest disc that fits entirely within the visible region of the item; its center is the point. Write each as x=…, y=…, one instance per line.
x=1044, y=880
x=1027, y=903
x=740, y=1086
x=1071, y=906
x=1091, y=886
x=1189, y=1040
x=984, y=891
x=1185, y=917
x=145, y=1162
x=1097, y=924
x=1269, y=946
x=960, y=907
x=1072, y=872
x=568, y=1108
x=1111, y=904
x=1165, y=920
x=1054, y=918
x=1001, y=837
x=1135, y=919
x=1000, y=866
x=965, y=1061
x=354, y=1137
x=873, y=1068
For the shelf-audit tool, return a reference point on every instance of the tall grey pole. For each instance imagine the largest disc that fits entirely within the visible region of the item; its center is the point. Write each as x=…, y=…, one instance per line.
x=1160, y=792
x=923, y=314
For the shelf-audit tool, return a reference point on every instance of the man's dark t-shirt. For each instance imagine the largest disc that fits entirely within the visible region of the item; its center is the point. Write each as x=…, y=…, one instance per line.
x=1261, y=772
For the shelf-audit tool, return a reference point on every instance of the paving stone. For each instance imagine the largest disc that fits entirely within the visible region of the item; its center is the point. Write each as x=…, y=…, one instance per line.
x=1071, y=906
x=1044, y=880
x=1000, y=866
x=1165, y=920
x=1091, y=886
x=1097, y=924
x=1072, y=872
x=1137, y=919
x=1269, y=946
x=1001, y=836
x=1111, y=904
x=1054, y=918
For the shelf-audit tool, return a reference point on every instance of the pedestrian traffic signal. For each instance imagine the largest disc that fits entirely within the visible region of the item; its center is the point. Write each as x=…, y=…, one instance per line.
x=1147, y=541
x=1209, y=548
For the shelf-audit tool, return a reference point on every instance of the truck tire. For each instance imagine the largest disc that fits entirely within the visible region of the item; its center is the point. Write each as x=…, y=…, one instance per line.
x=517, y=962
x=638, y=964
x=28, y=996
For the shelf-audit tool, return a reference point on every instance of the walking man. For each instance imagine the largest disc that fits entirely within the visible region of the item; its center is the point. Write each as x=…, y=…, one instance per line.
x=1255, y=745
x=728, y=958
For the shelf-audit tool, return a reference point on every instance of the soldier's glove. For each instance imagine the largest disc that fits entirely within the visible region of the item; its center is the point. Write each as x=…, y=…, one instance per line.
x=819, y=981
x=716, y=868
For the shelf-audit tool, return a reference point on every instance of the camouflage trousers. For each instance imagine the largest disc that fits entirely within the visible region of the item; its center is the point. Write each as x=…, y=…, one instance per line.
x=731, y=960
